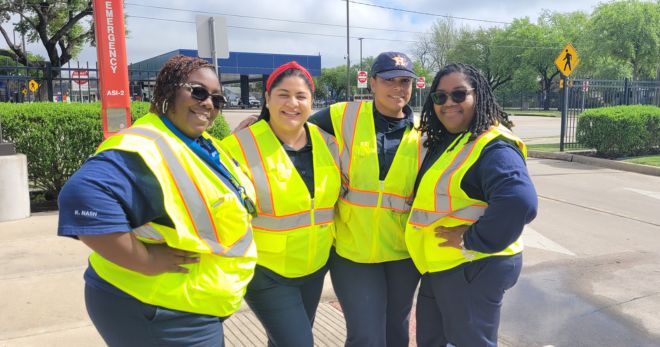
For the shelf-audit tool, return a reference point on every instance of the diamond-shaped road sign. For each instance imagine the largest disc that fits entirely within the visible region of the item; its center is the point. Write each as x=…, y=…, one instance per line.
x=567, y=60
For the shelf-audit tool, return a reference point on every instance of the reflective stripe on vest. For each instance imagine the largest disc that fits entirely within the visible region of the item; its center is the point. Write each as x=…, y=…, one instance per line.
x=443, y=207
x=267, y=218
x=193, y=200
x=370, y=199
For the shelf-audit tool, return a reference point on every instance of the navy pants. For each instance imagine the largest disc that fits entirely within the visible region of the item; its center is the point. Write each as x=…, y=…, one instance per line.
x=376, y=300
x=286, y=307
x=125, y=321
x=462, y=307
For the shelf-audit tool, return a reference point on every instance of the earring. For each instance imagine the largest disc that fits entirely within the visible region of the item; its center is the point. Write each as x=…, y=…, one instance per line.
x=164, y=107
x=266, y=105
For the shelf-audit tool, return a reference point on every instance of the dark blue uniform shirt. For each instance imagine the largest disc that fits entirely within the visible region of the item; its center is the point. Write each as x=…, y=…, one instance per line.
x=500, y=178
x=389, y=132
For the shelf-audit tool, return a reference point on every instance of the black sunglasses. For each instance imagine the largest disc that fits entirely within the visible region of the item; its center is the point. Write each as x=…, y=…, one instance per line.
x=440, y=97
x=200, y=93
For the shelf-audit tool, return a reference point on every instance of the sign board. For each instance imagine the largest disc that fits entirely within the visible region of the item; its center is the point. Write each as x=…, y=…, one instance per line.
x=209, y=39
x=585, y=86
x=76, y=74
x=362, y=78
x=113, y=69
x=421, y=82
x=567, y=60
x=33, y=85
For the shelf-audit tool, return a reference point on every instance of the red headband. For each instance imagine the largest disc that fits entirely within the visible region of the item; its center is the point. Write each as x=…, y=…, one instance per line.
x=290, y=65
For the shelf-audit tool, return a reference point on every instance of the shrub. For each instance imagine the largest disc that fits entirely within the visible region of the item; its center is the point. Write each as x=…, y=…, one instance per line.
x=58, y=137
x=621, y=130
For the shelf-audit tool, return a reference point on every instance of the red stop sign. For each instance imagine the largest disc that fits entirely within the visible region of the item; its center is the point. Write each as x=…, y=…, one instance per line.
x=362, y=76
x=421, y=82
x=79, y=74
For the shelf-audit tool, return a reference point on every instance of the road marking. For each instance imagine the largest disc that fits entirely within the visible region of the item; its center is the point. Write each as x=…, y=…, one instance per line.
x=534, y=239
x=655, y=195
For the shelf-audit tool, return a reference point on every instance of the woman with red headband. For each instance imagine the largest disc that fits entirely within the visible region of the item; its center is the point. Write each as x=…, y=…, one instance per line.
x=294, y=166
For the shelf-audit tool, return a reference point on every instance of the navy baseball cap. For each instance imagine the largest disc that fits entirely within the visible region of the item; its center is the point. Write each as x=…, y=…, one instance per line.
x=392, y=64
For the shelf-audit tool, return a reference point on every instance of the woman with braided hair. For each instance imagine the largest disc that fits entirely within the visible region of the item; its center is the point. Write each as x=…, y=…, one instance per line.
x=473, y=197
x=167, y=215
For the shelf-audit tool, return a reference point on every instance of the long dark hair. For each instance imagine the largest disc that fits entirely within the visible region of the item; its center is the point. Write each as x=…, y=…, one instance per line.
x=265, y=114
x=487, y=112
x=175, y=72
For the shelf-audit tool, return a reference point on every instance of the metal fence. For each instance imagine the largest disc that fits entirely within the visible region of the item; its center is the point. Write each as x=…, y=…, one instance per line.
x=72, y=82
x=587, y=93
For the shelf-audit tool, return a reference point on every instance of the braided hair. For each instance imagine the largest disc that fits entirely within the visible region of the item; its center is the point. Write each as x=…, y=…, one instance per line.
x=487, y=112
x=175, y=72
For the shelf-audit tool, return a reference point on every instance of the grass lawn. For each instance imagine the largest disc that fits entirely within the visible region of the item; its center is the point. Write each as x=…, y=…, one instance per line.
x=539, y=113
x=552, y=147
x=653, y=160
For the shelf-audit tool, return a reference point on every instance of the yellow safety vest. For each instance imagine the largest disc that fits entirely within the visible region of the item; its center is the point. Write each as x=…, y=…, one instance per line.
x=293, y=232
x=441, y=201
x=209, y=219
x=372, y=213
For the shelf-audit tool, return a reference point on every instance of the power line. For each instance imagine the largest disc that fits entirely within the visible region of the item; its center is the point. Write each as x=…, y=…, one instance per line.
x=333, y=35
x=273, y=30
x=427, y=13
x=269, y=18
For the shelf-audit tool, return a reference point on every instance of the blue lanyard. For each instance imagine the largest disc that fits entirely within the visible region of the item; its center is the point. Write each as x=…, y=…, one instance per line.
x=205, y=149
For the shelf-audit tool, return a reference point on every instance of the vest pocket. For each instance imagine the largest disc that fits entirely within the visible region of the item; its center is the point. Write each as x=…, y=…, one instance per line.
x=270, y=241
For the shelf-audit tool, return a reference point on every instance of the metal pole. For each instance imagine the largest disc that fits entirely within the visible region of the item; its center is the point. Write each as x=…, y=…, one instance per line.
x=564, y=112
x=214, y=54
x=360, y=38
x=348, y=58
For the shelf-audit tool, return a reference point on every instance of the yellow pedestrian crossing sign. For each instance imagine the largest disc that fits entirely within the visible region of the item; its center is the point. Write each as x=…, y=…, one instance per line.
x=33, y=85
x=567, y=60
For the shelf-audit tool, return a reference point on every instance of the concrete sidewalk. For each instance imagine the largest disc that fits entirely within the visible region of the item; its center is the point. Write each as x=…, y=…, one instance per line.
x=42, y=300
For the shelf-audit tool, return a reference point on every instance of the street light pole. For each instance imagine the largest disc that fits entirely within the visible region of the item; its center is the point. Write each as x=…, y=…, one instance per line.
x=360, y=38
x=348, y=58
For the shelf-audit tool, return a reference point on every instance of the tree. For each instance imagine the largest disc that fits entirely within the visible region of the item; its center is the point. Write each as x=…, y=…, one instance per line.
x=486, y=50
x=628, y=31
x=58, y=24
x=432, y=49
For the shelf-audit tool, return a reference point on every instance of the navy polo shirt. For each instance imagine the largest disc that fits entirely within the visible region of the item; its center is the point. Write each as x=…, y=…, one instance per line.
x=115, y=191
x=500, y=178
x=389, y=132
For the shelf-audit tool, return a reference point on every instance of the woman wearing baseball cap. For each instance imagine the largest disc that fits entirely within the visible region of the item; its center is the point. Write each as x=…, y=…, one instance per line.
x=370, y=267
x=295, y=169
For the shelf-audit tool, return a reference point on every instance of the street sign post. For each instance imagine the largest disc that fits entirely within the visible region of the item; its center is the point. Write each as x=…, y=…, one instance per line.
x=362, y=78
x=566, y=61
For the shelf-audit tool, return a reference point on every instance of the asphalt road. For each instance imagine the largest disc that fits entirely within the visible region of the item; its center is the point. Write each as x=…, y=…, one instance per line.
x=591, y=275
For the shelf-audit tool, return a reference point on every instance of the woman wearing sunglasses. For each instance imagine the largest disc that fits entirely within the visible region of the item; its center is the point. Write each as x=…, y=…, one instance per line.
x=167, y=215
x=473, y=199
x=295, y=169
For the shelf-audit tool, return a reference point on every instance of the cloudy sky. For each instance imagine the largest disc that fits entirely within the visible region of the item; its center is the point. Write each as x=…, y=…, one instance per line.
x=314, y=26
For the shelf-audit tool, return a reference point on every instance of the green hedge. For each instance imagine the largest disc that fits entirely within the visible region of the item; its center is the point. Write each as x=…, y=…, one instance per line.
x=620, y=131
x=58, y=137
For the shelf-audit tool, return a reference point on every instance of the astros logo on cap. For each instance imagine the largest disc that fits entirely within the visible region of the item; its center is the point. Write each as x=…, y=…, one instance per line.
x=399, y=60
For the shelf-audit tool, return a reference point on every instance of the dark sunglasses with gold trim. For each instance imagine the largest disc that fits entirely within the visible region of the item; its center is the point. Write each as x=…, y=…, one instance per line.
x=458, y=96
x=200, y=93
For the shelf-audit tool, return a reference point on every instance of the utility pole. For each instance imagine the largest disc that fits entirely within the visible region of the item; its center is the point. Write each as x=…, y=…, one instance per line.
x=360, y=38
x=348, y=57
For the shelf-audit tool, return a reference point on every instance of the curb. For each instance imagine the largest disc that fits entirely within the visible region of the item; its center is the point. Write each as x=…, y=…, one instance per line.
x=610, y=164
